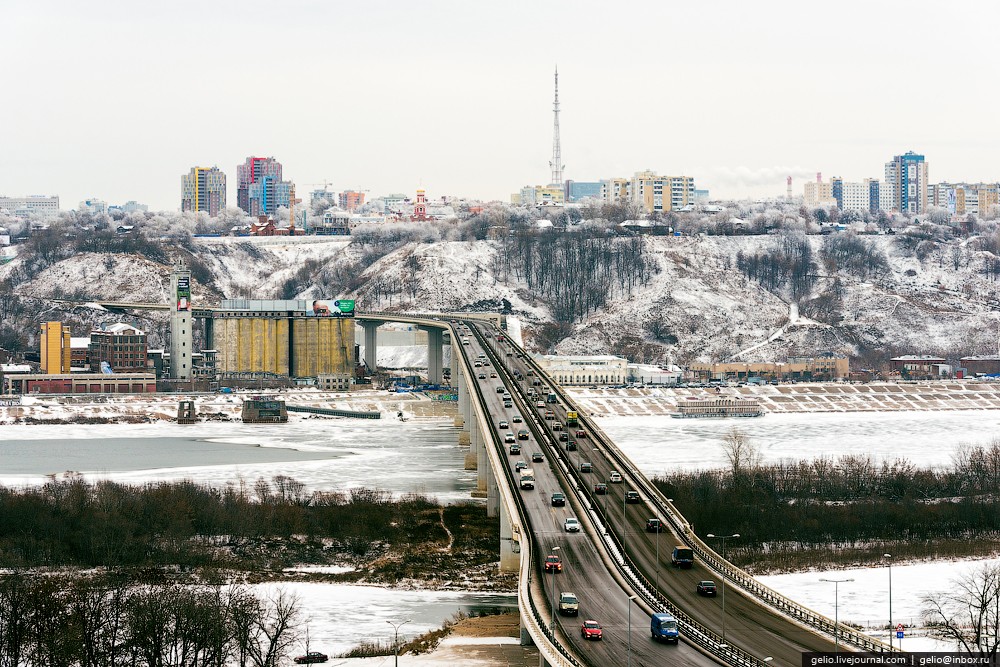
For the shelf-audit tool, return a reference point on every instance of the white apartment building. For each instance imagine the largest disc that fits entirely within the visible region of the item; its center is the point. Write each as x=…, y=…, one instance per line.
x=598, y=369
x=855, y=197
x=25, y=206
x=818, y=193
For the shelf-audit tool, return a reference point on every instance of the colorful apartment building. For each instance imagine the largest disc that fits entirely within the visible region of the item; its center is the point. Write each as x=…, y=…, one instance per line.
x=56, y=349
x=653, y=192
x=204, y=189
x=260, y=189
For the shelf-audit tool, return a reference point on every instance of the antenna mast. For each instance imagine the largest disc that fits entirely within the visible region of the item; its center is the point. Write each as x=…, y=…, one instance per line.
x=556, y=164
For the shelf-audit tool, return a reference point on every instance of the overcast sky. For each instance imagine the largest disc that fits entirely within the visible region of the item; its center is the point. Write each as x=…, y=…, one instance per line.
x=116, y=100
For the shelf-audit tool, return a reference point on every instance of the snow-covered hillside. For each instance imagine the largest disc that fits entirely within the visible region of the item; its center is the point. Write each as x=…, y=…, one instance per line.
x=697, y=306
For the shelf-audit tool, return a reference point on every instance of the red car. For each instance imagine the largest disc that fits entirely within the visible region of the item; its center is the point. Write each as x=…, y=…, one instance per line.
x=591, y=630
x=553, y=564
x=581, y=434
x=311, y=657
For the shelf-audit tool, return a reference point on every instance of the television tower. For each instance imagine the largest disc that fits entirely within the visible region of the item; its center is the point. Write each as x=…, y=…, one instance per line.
x=556, y=164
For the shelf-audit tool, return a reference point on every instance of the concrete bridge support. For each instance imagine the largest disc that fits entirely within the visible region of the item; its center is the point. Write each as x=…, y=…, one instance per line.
x=371, y=345
x=435, y=354
x=492, y=492
x=510, y=546
x=460, y=383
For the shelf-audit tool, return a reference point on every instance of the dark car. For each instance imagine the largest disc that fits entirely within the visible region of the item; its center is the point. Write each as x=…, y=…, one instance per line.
x=311, y=657
x=706, y=588
x=654, y=526
x=591, y=630
x=571, y=446
x=558, y=499
x=601, y=489
x=632, y=497
x=515, y=448
x=563, y=437
x=520, y=465
x=537, y=457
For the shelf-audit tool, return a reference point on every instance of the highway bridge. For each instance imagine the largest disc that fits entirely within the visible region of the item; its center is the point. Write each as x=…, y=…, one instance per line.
x=620, y=572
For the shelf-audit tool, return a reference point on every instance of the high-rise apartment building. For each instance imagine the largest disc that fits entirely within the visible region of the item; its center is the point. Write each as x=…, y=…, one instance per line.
x=56, y=352
x=874, y=194
x=204, y=189
x=653, y=192
x=818, y=193
x=260, y=189
x=855, y=196
x=905, y=187
x=351, y=199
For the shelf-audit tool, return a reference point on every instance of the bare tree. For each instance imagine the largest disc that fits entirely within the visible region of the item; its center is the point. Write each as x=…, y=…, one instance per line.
x=744, y=456
x=970, y=614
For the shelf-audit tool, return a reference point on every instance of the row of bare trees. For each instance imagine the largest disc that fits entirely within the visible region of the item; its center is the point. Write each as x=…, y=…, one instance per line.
x=576, y=272
x=89, y=621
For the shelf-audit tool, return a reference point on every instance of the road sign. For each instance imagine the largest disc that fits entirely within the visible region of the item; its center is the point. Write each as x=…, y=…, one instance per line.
x=899, y=627
x=899, y=634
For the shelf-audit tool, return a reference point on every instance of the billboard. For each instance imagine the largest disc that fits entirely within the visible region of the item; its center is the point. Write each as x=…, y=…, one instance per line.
x=340, y=308
x=184, y=293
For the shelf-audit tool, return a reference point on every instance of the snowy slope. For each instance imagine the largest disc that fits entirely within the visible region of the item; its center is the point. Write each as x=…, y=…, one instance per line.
x=706, y=308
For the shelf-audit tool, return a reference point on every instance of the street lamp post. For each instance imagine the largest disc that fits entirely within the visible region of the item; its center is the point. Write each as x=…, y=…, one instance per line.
x=395, y=640
x=888, y=561
x=552, y=584
x=723, y=538
x=630, y=600
x=659, y=529
x=836, y=610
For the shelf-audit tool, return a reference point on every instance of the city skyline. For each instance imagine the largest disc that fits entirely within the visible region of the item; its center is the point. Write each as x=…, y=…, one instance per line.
x=410, y=97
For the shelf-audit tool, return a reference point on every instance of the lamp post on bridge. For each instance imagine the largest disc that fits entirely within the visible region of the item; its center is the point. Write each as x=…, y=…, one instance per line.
x=836, y=610
x=888, y=561
x=631, y=599
x=723, y=538
x=659, y=529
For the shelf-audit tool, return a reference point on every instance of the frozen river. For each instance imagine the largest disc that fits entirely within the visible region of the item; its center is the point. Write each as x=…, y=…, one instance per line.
x=422, y=455
x=416, y=456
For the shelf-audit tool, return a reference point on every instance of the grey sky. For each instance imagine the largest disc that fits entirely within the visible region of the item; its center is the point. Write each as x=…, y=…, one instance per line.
x=118, y=99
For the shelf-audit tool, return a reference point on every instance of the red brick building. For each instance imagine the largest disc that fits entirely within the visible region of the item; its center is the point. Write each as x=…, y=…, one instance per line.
x=123, y=347
x=982, y=365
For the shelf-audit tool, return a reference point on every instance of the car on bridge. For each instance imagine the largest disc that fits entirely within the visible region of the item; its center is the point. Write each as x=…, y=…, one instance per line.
x=553, y=563
x=571, y=446
x=549, y=414
x=537, y=457
x=581, y=434
x=508, y=438
x=632, y=497
x=571, y=525
x=515, y=448
x=569, y=605
x=563, y=437
x=507, y=403
x=477, y=363
x=556, y=426
x=503, y=424
x=516, y=419
x=705, y=587
x=493, y=375
x=601, y=489
x=591, y=629
x=586, y=466
x=501, y=389
x=615, y=477
x=654, y=525
x=539, y=404
x=522, y=434
x=558, y=499
x=519, y=466
x=663, y=627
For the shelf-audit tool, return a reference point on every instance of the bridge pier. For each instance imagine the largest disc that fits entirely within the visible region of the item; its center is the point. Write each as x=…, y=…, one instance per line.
x=492, y=493
x=435, y=354
x=510, y=545
x=371, y=345
x=473, y=461
x=462, y=389
x=479, y=439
